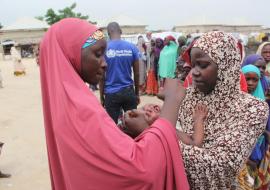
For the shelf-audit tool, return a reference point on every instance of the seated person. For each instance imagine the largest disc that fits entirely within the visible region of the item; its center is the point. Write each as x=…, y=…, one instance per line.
x=145, y=116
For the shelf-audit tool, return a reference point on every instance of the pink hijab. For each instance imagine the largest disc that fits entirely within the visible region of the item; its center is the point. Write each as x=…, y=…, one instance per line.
x=85, y=148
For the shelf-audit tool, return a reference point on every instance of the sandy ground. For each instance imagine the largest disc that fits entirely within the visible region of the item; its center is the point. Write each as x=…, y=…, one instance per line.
x=24, y=154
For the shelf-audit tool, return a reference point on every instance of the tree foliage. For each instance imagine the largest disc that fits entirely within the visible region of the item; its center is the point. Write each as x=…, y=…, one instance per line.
x=52, y=17
x=1, y=25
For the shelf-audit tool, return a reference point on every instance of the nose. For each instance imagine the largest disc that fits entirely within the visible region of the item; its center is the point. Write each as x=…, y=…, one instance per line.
x=103, y=63
x=250, y=83
x=195, y=72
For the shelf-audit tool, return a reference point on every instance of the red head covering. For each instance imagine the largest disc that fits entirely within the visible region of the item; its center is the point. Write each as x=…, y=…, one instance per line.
x=85, y=148
x=170, y=38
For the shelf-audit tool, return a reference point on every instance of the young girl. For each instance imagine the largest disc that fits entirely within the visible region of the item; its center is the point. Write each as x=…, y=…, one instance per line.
x=145, y=117
x=254, y=86
x=255, y=173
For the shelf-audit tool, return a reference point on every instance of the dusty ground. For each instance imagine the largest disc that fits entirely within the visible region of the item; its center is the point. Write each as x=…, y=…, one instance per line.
x=24, y=155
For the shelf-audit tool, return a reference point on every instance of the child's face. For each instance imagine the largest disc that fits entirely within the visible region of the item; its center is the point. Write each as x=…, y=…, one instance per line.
x=151, y=112
x=252, y=81
x=136, y=121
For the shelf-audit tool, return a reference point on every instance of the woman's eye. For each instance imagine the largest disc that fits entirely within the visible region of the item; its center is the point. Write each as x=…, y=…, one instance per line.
x=203, y=66
x=98, y=54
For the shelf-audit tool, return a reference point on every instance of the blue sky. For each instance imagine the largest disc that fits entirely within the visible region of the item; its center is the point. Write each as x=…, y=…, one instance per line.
x=157, y=14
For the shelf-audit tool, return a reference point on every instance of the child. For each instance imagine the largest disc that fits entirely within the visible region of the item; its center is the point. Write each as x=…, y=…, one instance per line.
x=145, y=117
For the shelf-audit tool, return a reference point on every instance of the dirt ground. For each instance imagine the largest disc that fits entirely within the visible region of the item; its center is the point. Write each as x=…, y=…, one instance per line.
x=24, y=154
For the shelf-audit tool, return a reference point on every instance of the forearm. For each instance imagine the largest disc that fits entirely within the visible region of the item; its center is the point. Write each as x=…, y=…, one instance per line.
x=184, y=138
x=198, y=134
x=136, y=76
x=170, y=109
x=136, y=83
x=189, y=139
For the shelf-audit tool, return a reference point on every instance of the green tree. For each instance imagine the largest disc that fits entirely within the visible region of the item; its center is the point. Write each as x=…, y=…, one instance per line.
x=52, y=17
x=40, y=18
x=1, y=26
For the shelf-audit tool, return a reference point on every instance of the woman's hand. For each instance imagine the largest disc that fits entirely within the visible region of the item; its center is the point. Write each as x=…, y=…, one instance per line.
x=173, y=94
x=172, y=89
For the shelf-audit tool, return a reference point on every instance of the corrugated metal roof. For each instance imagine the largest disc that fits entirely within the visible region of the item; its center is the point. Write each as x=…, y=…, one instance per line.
x=204, y=20
x=26, y=24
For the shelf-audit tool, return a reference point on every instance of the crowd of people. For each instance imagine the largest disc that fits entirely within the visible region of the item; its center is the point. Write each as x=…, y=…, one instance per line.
x=219, y=95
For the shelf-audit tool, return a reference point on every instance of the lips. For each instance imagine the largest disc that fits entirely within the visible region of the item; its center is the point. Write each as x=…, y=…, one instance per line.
x=198, y=82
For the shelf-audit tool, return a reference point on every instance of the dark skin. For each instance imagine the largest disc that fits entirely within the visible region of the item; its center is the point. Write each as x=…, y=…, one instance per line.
x=199, y=117
x=181, y=42
x=159, y=43
x=266, y=52
x=261, y=64
x=252, y=81
x=142, y=118
x=93, y=64
x=115, y=34
x=137, y=121
x=204, y=71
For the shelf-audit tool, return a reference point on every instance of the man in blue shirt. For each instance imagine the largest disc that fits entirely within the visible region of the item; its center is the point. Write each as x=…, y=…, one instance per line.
x=117, y=90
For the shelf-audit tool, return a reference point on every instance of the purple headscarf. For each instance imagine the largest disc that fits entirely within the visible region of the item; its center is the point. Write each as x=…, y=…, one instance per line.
x=158, y=49
x=251, y=60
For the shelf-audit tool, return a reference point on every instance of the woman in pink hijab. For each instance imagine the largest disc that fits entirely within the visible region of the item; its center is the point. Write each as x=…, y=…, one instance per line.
x=85, y=148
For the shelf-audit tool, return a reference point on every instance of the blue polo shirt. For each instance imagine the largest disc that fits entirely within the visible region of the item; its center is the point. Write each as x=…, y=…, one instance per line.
x=120, y=56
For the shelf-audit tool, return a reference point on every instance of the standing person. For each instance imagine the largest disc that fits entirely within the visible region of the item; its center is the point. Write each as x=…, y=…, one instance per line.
x=142, y=64
x=158, y=48
x=235, y=119
x=19, y=68
x=167, y=60
x=3, y=175
x=182, y=40
x=264, y=51
x=152, y=84
x=148, y=49
x=117, y=85
x=86, y=150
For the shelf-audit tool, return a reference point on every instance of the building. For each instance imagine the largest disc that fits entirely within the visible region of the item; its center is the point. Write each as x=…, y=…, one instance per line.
x=202, y=25
x=24, y=32
x=128, y=25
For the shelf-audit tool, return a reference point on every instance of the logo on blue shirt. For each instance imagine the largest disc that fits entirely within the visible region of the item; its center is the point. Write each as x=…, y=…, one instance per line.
x=119, y=53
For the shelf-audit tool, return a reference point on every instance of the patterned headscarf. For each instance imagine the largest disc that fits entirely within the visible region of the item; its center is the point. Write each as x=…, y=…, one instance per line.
x=234, y=122
x=92, y=40
x=252, y=59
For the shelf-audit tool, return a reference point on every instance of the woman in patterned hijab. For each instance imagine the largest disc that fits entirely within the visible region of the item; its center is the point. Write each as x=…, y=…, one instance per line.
x=235, y=119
